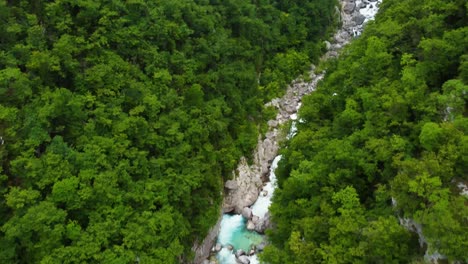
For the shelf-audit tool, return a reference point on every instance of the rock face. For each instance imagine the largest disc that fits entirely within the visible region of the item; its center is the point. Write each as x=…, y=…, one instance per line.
x=244, y=188
x=251, y=226
x=247, y=212
x=349, y=7
x=263, y=223
x=231, y=185
x=202, y=250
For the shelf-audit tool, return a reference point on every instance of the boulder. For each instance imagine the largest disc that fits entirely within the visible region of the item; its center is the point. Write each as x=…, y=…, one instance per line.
x=206, y=261
x=246, y=188
x=342, y=37
x=261, y=246
x=359, y=19
x=218, y=247
x=229, y=247
x=327, y=44
x=336, y=47
x=263, y=224
x=231, y=185
x=349, y=7
x=272, y=123
x=251, y=226
x=247, y=212
x=249, y=198
x=239, y=253
x=243, y=260
x=255, y=219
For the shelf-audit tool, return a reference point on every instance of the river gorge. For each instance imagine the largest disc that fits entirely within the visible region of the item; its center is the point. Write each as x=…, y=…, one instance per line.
x=238, y=236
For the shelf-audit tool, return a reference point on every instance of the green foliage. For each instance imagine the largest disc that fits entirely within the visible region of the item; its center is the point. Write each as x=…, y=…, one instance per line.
x=389, y=121
x=121, y=119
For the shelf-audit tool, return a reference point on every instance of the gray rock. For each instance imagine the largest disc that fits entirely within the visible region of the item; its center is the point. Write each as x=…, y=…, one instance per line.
x=332, y=54
x=263, y=224
x=359, y=19
x=349, y=7
x=342, y=37
x=336, y=47
x=272, y=123
x=261, y=246
x=206, y=261
x=239, y=253
x=218, y=247
x=255, y=219
x=231, y=185
x=247, y=212
x=362, y=5
x=229, y=247
x=248, y=184
x=291, y=109
x=327, y=44
x=251, y=226
x=243, y=260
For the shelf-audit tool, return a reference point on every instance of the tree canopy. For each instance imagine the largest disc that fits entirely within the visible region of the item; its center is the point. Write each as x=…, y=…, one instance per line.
x=119, y=120
x=391, y=144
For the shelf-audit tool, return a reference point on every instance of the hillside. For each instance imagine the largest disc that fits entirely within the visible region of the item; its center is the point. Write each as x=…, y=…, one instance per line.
x=121, y=120
x=381, y=152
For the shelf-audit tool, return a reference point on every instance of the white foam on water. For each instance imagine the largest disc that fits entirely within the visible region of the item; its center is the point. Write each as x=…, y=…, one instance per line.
x=254, y=259
x=230, y=224
x=226, y=256
x=260, y=207
x=368, y=11
x=292, y=131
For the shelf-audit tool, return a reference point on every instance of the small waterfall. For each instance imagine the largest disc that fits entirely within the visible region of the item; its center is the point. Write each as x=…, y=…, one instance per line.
x=233, y=232
x=260, y=207
x=234, y=235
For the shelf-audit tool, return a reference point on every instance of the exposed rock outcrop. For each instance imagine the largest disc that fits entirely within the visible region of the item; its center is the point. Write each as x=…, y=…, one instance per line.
x=243, y=190
x=202, y=250
x=263, y=223
x=243, y=260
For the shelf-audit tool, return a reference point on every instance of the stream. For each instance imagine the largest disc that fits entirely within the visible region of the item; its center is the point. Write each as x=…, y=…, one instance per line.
x=234, y=235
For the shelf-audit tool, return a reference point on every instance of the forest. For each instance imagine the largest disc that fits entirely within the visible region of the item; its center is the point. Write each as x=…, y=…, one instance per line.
x=120, y=120
x=382, y=144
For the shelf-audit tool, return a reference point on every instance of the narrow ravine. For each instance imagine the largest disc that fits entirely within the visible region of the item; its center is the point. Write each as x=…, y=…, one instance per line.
x=249, y=194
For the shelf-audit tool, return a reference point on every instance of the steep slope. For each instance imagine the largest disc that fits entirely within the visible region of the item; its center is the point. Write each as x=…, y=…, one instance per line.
x=382, y=140
x=120, y=120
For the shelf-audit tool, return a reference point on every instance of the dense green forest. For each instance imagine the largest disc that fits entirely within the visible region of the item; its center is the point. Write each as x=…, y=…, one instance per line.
x=119, y=120
x=389, y=122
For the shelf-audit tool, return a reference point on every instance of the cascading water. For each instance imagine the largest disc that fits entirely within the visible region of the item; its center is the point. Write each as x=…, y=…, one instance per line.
x=233, y=230
x=233, y=233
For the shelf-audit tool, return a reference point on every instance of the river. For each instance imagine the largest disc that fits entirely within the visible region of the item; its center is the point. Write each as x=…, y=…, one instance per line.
x=234, y=235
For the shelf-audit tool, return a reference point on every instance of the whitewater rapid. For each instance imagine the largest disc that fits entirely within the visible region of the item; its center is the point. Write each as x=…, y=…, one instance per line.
x=233, y=233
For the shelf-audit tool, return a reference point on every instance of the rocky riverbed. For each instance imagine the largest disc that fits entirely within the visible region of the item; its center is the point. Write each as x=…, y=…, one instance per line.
x=251, y=181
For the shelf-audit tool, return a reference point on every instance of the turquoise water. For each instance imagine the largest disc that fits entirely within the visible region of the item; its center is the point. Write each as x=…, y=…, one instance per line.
x=234, y=232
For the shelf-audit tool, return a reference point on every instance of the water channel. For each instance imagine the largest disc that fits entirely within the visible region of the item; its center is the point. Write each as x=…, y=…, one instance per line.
x=233, y=234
